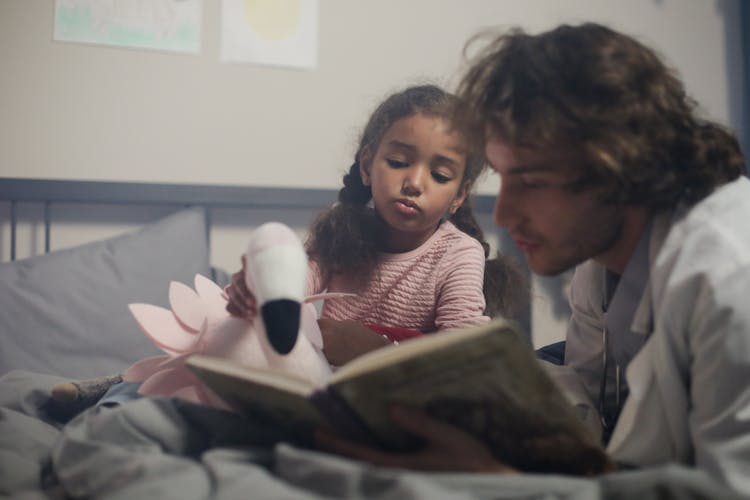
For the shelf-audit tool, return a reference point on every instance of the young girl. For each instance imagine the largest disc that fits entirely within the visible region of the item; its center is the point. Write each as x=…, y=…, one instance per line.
x=402, y=238
x=402, y=235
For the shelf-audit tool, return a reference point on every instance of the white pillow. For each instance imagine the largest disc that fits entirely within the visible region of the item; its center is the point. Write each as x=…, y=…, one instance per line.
x=66, y=312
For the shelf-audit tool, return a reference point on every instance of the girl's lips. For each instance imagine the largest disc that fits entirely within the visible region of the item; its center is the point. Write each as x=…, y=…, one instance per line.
x=406, y=207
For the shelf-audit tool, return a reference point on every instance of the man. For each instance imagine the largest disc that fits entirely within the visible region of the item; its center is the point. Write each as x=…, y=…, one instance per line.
x=606, y=167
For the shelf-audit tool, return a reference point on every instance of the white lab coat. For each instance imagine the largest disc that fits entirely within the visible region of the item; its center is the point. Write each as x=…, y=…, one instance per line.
x=689, y=384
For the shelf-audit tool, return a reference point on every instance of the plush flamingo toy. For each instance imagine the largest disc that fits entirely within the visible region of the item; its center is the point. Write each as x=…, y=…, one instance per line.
x=284, y=336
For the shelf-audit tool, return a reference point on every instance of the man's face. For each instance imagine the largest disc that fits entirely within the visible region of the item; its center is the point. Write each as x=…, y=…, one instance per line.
x=555, y=227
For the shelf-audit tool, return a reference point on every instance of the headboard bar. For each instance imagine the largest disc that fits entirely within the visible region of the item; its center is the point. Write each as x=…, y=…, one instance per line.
x=47, y=225
x=15, y=190
x=140, y=193
x=46, y=191
x=13, y=222
x=137, y=193
x=14, y=225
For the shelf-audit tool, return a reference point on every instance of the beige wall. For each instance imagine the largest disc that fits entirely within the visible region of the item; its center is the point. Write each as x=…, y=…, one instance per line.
x=93, y=112
x=71, y=111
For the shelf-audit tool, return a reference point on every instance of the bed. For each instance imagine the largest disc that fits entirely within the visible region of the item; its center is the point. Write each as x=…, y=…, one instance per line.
x=64, y=316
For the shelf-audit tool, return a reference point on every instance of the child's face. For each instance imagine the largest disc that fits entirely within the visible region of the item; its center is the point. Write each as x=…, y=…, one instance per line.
x=415, y=176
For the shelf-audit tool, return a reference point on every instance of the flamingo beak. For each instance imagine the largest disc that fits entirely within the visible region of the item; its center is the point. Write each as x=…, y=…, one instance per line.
x=281, y=318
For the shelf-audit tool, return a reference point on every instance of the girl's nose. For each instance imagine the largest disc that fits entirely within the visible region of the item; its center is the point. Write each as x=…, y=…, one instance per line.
x=414, y=180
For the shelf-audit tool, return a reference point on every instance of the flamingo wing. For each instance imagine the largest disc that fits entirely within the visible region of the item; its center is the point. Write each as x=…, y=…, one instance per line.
x=167, y=382
x=187, y=306
x=141, y=370
x=162, y=328
x=212, y=296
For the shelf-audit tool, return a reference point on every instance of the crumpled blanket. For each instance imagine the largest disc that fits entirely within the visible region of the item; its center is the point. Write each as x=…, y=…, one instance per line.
x=167, y=448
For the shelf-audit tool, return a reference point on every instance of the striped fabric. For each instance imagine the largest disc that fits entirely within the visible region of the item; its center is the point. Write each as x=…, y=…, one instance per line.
x=434, y=287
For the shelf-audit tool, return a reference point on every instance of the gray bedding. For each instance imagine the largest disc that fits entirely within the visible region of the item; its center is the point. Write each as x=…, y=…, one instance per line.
x=164, y=448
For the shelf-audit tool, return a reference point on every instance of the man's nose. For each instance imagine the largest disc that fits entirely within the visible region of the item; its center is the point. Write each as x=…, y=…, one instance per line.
x=505, y=209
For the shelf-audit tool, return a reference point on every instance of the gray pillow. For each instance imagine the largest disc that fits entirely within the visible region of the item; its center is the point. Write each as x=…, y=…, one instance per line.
x=66, y=312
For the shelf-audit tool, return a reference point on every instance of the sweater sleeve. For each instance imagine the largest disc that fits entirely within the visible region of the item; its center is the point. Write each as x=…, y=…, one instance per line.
x=459, y=295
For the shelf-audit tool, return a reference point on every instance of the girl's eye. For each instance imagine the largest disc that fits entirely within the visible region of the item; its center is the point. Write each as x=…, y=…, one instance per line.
x=393, y=163
x=440, y=178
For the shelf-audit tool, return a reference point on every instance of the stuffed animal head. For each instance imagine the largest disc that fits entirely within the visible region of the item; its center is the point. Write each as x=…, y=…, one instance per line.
x=277, y=273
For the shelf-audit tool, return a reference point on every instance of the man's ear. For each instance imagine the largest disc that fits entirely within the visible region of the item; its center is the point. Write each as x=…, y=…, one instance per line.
x=365, y=162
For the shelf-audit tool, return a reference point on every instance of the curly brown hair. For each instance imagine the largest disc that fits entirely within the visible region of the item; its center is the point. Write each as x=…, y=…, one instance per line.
x=344, y=239
x=609, y=98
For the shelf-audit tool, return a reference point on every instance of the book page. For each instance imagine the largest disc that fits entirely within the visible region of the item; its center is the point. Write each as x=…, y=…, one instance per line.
x=490, y=385
x=395, y=353
x=278, y=398
x=209, y=366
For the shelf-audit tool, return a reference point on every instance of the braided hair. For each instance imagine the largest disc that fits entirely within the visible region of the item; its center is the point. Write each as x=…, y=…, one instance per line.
x=344, y=239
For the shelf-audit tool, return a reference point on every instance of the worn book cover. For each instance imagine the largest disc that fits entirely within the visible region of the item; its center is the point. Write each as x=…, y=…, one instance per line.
x=483, y=379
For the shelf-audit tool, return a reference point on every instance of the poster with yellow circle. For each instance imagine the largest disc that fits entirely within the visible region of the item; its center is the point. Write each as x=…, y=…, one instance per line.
x=270, y=32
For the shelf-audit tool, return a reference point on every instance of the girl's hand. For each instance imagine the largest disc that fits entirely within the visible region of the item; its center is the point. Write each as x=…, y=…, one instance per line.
x=347, y=339
x=446, y=448
x=241, y=301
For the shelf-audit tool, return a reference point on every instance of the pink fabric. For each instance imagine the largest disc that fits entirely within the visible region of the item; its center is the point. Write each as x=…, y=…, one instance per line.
x=198, y=323
x=434, y=287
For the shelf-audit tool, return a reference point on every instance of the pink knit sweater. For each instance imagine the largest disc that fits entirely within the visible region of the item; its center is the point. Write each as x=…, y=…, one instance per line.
x=434, y=287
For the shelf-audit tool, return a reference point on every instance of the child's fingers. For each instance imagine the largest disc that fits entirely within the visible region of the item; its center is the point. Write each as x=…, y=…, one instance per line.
x=240, y=301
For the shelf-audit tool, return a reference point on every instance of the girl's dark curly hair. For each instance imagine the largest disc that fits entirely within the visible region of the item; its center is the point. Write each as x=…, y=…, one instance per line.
x=609, y=98
x=344, y=239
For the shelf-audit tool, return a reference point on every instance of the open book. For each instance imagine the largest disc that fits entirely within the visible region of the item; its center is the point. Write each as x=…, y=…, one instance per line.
x=483, y=379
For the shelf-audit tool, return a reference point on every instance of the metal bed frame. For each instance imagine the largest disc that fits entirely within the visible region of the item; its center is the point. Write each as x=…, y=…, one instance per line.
x=49, y=192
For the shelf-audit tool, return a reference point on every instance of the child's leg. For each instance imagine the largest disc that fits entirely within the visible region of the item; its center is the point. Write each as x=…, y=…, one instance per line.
x=71, y=398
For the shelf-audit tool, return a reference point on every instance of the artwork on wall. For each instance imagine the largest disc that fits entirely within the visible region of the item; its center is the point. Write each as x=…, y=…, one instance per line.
x=270, y=32
x=171, y=25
